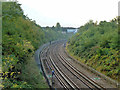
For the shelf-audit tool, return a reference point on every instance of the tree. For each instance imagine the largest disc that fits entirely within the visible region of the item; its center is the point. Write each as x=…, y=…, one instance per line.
x=58, y=27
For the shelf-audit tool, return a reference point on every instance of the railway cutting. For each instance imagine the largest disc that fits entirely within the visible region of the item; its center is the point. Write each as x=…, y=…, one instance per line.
x=67, y=73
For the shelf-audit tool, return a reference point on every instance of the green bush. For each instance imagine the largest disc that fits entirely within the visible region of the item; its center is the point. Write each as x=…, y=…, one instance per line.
x=20, y=38
x=98, y=46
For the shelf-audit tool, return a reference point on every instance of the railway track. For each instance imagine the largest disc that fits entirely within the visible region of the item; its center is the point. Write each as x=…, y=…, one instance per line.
x=68, y=83
x=51, y=66
x=67, y=74
x=85, y=79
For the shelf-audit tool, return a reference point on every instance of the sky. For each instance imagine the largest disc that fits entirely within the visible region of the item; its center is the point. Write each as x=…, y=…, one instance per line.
x=69, y=13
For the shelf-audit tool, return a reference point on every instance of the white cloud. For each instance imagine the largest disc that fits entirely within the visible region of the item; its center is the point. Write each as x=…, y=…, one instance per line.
x=69, y=12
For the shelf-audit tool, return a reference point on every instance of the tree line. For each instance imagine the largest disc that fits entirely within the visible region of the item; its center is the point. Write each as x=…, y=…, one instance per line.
x=58, y=27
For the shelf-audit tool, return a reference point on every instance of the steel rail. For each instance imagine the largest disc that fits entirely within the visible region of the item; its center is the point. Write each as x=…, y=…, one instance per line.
x=80, y=73
x=51, y=67
x=66, y=78
x=58, y=77
x=51, y=53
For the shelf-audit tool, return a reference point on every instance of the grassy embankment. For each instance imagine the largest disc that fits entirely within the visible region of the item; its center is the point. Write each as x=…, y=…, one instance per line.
x=97, y=46
x=21, y=37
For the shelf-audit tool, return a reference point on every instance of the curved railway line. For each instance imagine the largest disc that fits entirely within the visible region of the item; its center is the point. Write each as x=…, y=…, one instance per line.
x=67, y=75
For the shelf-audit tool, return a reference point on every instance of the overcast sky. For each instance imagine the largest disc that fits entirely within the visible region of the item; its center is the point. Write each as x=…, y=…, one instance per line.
x=70, y=13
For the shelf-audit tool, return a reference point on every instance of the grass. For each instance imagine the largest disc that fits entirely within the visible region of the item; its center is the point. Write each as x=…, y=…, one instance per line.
x=32, y=75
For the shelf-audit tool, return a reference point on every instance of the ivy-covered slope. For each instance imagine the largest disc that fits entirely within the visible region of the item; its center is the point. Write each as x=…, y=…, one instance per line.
x=97, y=46
x=20, y=38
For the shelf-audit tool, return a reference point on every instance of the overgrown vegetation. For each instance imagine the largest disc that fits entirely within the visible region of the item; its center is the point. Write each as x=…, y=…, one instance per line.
x=20, y=38
x=97, y=46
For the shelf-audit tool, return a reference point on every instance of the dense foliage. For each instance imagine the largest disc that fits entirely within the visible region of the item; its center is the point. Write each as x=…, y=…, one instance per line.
x=97, y=46
x=20, y=38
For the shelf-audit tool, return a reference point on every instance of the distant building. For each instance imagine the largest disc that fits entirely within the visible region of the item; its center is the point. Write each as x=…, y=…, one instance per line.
x=72, y=30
